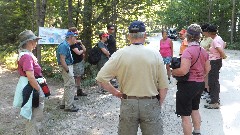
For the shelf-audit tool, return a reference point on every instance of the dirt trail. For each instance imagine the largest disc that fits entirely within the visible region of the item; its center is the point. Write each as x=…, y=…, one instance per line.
x=98, y=113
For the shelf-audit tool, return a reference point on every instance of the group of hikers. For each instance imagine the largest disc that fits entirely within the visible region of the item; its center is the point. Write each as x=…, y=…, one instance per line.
x=137, y=74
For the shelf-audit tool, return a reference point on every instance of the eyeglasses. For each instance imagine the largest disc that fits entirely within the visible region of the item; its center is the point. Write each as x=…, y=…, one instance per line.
x=111, y=29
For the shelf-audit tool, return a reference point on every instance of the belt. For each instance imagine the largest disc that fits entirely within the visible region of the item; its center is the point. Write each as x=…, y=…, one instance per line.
x=135, y=97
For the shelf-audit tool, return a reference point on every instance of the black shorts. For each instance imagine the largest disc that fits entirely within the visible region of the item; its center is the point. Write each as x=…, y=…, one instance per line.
x=188, y=97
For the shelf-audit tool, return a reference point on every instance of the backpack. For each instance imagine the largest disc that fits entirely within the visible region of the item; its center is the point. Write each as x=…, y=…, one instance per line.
x=94, y=55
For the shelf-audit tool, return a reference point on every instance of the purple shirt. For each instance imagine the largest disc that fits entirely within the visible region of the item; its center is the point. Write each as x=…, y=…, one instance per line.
x=26, y=63
x=197, y=70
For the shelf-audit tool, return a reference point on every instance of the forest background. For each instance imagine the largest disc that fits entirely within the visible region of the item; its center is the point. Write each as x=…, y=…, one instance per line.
x=92, y=16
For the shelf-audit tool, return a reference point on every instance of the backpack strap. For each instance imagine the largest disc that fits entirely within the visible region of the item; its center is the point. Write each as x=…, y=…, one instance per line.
x=197, y=58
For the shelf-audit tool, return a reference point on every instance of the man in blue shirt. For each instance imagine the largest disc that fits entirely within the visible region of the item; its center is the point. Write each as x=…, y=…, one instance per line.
x=65, y=61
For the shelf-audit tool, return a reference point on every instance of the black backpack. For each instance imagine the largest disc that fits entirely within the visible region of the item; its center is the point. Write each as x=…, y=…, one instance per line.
x=94, y=55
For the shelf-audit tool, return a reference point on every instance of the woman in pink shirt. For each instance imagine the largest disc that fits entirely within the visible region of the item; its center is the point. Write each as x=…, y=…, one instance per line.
x=29, y=70
x=195, y=61
x=166, y=50
x=216, y=54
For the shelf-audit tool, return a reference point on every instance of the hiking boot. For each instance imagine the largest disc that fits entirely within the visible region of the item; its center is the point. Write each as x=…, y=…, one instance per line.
x=196, y=133
x=212, y=106
x=76, y=98
x=208, y=100
x=80, y=93
x=73, y=109
x=62, y=106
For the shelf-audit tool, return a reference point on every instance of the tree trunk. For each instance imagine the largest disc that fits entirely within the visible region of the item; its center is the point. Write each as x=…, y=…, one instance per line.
x=87, y=24
x=233, y=26
x=41, y=11
x=78, y=12
x=70, y=16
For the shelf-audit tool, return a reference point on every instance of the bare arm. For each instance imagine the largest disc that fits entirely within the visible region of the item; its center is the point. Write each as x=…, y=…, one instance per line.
x=222, y=53
x=184, y=68
x=207, y=68
x=77, y=51
x=105, y=51
x=32, y=80
x=84, y=48
x=162, y=93
x=63, y=62
x=108, y=86
x=171, y=45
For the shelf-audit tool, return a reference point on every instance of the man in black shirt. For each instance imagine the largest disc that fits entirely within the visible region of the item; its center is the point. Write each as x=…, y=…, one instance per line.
x=77, y=51
x=112, y=47
x=111, y=39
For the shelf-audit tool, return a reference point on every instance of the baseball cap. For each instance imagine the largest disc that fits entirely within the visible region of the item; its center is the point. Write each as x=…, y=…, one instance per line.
x=136, y=26
x=183, y=31
x=103, y=34
x=70, y=33
x=212, y=28
x=26, y=36
x=110, y=26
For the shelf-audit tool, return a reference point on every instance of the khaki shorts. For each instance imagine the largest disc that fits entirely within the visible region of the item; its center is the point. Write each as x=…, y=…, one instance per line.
x=146, y=112
x=78, y=68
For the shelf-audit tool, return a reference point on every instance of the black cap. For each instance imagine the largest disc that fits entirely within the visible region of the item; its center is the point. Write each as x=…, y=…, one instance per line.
x=212, y=28
x=109, y=26
x=204, y=27
x=136, y=26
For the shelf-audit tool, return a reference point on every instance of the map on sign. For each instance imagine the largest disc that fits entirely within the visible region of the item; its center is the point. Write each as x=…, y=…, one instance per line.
x=51, y=35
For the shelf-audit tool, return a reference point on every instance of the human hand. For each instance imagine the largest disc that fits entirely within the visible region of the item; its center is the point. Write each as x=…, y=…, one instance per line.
x=118, y=94
x=225, y=56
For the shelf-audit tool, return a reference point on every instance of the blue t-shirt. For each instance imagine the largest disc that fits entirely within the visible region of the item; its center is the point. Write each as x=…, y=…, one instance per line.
x=64, y=49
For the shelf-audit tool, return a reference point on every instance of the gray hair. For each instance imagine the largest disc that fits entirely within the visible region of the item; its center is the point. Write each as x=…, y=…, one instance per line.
x=137, y=35
x=193, y=33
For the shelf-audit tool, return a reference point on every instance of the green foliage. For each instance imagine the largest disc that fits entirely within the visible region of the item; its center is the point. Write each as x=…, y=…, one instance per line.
x=234, y=46
x=49, y=62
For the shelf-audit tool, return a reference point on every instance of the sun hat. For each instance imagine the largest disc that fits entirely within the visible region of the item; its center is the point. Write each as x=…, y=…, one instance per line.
x=25, y=36
x=136, y=26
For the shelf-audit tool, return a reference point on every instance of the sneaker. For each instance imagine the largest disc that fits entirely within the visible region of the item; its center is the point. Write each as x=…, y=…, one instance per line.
x=196, y=133
x=73, y=109
x=212, y=106
x=76, y=98
x=81, y=93
x=62, y=106
x=208, y=100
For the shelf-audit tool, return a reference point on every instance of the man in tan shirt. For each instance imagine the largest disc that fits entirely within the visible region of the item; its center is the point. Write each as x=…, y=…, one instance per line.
x=142, y=78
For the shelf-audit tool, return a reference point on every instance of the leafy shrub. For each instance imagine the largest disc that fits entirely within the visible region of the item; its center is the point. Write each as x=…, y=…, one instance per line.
x=234, y=46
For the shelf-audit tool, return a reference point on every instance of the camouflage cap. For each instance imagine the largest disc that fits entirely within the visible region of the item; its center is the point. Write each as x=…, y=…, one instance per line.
x=25, y=36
